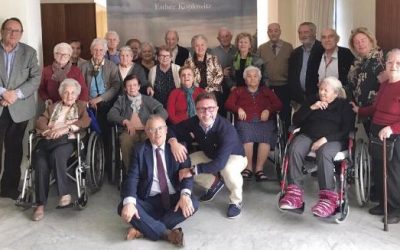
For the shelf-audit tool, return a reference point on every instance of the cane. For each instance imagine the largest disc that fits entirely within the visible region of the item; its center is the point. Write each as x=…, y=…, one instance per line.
x=385, y=216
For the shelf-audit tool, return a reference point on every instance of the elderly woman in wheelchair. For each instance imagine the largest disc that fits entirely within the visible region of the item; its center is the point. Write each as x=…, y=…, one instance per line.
x=57, y=126
x=325, y=123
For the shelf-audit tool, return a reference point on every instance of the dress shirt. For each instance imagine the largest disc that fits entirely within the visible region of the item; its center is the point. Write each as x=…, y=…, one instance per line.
x=329, y=68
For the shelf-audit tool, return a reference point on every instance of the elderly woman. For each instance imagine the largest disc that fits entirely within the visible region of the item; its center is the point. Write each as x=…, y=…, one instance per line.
x=58, y=126
x=242, y=59
x=164, y=77
x=131, y=111
x=254, y=105
x=385, y=112
x=363, y=74
x=325, y=122
x=181, y=100
x=62, y=68
x=128, y=67
x=147, y=57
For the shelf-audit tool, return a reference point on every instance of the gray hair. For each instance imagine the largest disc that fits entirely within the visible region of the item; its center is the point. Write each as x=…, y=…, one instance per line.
x=113, y=33
x=147, y=44
x=392, y=52
x=172, y=31
x=60, y=46
x=197, y=37
x=99, y=41
x=154, y=117
x=126, y=49
x=69, y=82
x=336, y=85
x=311, y=25
x=251, y=68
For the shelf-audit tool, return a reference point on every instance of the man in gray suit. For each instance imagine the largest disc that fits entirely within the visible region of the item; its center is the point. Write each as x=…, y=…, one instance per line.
x=19, y=80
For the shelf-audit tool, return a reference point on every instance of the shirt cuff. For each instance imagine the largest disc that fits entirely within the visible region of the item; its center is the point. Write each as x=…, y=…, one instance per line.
x=19, y=94
x=129, y=200
x=186, y=191
x=2, y=90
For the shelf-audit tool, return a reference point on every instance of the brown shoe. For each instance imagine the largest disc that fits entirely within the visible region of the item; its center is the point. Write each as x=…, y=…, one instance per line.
x=133, y=233
x=38, y=213
x=175, y=236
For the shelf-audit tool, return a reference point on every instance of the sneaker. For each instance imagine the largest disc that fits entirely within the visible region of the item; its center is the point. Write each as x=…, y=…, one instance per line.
x=234, y=210
x=293, y=198
x=213, y=190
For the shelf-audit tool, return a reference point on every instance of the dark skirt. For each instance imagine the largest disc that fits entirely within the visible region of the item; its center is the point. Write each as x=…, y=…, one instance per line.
x=259, y=132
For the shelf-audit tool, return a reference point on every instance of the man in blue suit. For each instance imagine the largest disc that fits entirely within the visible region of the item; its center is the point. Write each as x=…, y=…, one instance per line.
x=154, y=200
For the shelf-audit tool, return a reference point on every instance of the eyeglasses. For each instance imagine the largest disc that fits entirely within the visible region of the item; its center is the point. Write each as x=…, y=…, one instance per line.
x=206, y=109
x=11, y=31
x=164, y=56
x=158, y=129
x=62, y=55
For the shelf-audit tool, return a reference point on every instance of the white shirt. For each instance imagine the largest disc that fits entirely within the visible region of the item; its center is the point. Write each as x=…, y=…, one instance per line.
x=329, y=68
x=155, y=186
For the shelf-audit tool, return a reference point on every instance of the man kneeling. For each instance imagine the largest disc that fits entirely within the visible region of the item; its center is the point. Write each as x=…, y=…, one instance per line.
x=154, y=200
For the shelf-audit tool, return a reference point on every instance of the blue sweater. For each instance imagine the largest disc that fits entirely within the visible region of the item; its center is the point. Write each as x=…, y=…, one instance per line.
x=218, y=144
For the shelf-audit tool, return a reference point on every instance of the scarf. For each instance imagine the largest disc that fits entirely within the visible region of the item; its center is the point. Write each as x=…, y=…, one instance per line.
x=236, y=61
x=136, y=102
x=71, y=116
x=189, y=100
x=59, y=73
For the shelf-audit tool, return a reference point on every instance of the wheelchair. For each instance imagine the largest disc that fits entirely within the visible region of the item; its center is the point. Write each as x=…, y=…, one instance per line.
x=343, y=162
x=85, y=167
x=117, y=164
x=276, y=154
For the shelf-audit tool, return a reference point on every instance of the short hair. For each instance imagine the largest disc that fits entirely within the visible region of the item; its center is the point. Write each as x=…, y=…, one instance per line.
x=60, y=46
x=154, y=117
x=126, y=48
x=163, y=48
x=311, y=25
x=185, y=67
x=197, y=37
x=131, y=77
x=15, y=19
x=69, y=82
x=76, y=41
x=250, y=68
x=112, y=32
x=391, y=52
x=132, y=40
x=146, y=44
x=337, y=37
x=366, y=32
x=204, y=96
x=243, y=35
x=100, y=41
x=336, y=85
x=172, y=31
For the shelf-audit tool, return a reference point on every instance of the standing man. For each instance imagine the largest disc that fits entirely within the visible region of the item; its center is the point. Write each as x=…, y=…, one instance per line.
x=19, y=80
x=336, y=61
x=275, y=54
x=76, y=58
x=154, y=199
x=179, y=54
x=304, y=64
x=221, y=152
x=112, y=53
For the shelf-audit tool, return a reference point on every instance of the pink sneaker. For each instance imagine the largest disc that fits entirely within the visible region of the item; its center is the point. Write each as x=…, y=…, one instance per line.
x=326, y=205
x=293, y=198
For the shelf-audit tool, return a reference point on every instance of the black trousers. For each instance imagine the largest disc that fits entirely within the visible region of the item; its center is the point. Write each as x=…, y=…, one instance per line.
x=11, y=136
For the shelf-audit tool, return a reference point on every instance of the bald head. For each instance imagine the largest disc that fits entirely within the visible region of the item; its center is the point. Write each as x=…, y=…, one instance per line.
x=274, y=32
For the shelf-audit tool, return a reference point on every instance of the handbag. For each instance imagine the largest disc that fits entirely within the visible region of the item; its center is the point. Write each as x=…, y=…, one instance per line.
x=376, y=147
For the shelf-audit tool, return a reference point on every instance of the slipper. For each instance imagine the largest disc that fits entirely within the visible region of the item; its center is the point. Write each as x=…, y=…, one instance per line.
x=260, y=176
x=65, y=202
x=247, y=174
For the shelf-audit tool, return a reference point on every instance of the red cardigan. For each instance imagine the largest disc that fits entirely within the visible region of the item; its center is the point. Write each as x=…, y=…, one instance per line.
x=48, y=88
x=385, y=110
x=177, y=105
x=240, y=97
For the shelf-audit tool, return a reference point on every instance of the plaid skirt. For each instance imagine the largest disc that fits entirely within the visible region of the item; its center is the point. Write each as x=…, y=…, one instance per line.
x=259, y=132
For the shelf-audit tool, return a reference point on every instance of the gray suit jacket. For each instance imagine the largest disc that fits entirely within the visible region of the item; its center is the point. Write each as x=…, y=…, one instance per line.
x=110, y=76
x=25, y=75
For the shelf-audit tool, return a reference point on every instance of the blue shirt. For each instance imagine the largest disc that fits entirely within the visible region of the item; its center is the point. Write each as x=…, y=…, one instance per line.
x=97, y=86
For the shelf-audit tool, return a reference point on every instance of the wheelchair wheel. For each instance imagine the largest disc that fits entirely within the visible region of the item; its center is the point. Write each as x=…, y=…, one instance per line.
x=95, y=162
x=114, y=155
x=362, y=172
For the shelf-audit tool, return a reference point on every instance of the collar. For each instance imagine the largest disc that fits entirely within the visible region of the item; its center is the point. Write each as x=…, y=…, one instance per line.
x=13, y=50
x=308, y=49
x=279, y=43
x=335, y=53
x=208, y=128
x=155, y=146
x=94, y=64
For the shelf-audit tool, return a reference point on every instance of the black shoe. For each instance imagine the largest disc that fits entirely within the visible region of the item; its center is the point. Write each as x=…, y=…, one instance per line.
x=377, y=210
x=13, y=194
x=392, y=219
x=213, y=190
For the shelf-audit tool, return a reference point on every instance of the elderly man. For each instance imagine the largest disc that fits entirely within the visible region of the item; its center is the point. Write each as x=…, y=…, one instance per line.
x=221, y=152
x=19, y=80
x=304, y=64
x=275, y=54
x=154, y=199
x=335, y=61
x=179, y=54
x=112, y=53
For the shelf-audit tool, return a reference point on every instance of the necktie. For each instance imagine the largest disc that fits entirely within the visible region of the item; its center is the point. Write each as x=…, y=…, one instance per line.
x=274, y=49
x=162, y=179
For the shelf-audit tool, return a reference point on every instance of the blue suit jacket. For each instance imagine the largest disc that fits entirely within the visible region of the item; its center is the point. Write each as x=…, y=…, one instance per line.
x=140, y=173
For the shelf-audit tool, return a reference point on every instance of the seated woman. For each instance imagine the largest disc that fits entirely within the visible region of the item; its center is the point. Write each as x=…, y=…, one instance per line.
x=181, y=101
x=58, y=125
x=54, y=74
x=254, y=106
x=147, y=59
x=131, y=111
x=385, y=114
x=325, y=122
x=128, y=67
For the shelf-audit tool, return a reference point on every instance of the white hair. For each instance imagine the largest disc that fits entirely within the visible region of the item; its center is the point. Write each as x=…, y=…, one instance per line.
x=336, y=85
x=112, y=33
x=69, y=82
x=251, y=68
x=99, y=41
x=61, y=46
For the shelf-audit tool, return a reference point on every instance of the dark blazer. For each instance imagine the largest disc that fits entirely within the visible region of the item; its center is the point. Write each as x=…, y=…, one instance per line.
x=182, y=55
x=295, y=63
x=345, y=60
x=140, y=174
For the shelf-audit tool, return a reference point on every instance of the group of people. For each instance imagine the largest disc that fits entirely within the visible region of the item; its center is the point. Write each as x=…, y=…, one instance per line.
x=167, y=98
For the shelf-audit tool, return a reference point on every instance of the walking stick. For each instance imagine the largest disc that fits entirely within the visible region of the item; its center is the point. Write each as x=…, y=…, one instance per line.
x=385, y=216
